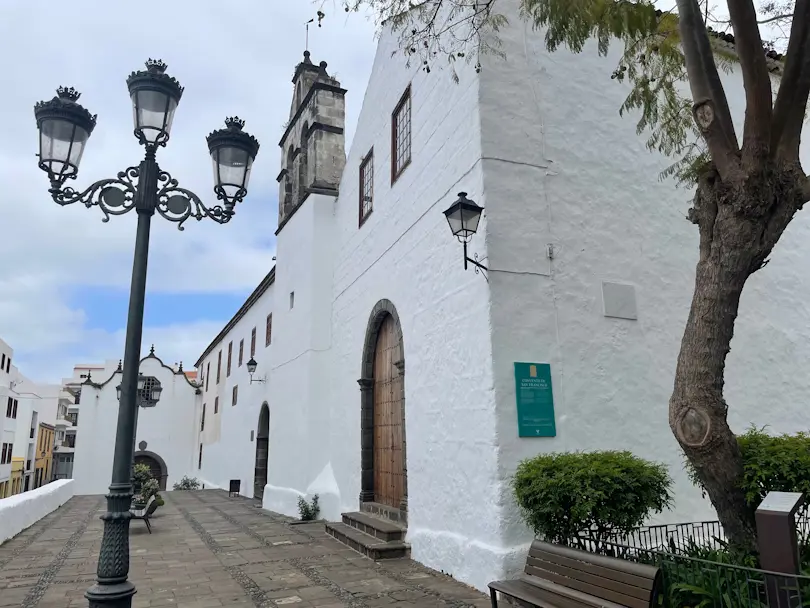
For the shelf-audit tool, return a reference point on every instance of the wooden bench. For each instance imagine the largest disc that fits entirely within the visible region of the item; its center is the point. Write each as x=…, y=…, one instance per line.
x=145, y=513
x=561, y=577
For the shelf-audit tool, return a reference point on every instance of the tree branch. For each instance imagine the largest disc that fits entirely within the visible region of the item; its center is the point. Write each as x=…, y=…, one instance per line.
x=756, y=80
x=711, y=105
x=791, y=102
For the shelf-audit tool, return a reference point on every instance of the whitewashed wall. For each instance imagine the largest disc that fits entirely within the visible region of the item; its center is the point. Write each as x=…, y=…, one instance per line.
x=20, y=511
x=564, y=168
x=165, y=427
x=228, y=450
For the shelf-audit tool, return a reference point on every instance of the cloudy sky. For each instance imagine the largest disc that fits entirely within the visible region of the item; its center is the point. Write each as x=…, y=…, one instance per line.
x=64, y=275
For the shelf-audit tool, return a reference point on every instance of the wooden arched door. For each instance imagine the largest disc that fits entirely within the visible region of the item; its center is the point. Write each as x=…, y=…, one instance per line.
x=389, y=423
x=262, y=444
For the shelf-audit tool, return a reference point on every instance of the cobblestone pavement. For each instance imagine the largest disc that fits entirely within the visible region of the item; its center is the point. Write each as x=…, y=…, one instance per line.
x=208, y=550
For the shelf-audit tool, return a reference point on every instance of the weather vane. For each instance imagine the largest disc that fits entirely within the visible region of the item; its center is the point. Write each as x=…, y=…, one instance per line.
x=321, y=15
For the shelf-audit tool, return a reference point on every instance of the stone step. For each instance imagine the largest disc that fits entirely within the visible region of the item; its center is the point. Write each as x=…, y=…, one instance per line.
x=384, y=512
x=384, y=529
x=370, y=546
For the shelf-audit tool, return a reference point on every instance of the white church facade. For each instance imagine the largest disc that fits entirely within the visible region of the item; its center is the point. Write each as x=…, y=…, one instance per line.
x=386, y=373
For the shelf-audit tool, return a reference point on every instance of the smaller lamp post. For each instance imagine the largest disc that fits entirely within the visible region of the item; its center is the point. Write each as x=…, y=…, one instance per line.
x=463, y=217
x=251, y=366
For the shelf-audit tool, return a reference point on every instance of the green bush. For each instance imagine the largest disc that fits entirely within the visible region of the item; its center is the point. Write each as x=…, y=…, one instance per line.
x=771, y=463
x=308, y=511
x=604, y=493
x=187, y=483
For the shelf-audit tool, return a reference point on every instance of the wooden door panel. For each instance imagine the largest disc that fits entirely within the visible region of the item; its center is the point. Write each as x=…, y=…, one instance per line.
x=389, y=469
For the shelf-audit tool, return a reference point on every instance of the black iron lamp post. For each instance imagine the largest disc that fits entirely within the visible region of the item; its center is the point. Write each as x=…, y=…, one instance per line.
x=64, y=128
x=463, y=217
x=251, y=367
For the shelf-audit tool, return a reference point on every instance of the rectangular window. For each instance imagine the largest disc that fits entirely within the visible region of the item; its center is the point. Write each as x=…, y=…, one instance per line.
x=366, y=186
x=268, y=330
x=14, y=411
x=230, y=355
x=3, y=454
x=199, y=459
x=401, y=135
x=9, y=407
x=234, y=395
x=202, y=420
x=8, y=365
x=219, y=365
x=2, y=360
x=207, y=374
x=253, y=343
x=216, y=405
x=241, y=351
x=292, y=299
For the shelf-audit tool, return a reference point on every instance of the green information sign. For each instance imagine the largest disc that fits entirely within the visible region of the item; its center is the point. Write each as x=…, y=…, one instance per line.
x=535, y=402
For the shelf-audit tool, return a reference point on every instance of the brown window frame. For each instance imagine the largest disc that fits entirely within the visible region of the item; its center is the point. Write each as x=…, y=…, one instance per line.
x=406, y=97
x=207, y=375
x=253, y=343
x=368, y=159
x=230, y=355
x=219, y=366
x=234, y=394
x=268, y=330
x=202, y=420
x=241, y=351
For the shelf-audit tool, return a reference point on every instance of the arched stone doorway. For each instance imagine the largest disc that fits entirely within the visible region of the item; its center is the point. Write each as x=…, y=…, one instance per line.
x=156, y=465
x=384, y=478
x=262, y=439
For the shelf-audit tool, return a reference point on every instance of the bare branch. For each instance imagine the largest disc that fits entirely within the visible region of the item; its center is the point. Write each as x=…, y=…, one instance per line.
x=711, y=105
x=791, y=102
x=756, y=79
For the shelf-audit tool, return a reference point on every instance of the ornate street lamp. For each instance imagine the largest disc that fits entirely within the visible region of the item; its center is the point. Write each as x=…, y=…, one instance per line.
x=64, y=128
x=463, y=217
x=251, y=367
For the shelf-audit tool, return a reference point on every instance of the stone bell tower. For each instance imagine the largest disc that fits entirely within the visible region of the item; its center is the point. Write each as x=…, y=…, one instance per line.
x=313, y=150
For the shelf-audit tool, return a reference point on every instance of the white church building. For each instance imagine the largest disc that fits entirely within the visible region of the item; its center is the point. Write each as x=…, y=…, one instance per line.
x=386, y=374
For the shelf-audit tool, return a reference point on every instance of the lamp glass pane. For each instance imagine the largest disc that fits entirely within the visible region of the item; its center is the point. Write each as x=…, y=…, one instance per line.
x=470, y=219
x=141, y=382
x=156, y=393
x=153, y=112
x=231, y=169
x=61, y=145
x=454, y=219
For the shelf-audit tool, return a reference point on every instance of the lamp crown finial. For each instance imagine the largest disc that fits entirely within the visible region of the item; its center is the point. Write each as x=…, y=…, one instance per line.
x=152, y=350
x=156, y=66
x=68, y=93
x=235, y=123
x=462, y=195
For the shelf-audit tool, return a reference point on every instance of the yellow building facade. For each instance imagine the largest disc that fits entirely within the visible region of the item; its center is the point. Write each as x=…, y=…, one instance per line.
x=43, y=463
x=16, y=480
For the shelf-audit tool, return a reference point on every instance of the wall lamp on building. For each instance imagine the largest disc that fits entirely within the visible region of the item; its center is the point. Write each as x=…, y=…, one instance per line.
x=252, y=365
x=149, y=390
x=463, y=217
x=64, y=129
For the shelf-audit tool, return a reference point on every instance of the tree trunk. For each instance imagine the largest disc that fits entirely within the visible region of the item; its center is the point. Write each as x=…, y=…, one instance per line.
x=739, y=227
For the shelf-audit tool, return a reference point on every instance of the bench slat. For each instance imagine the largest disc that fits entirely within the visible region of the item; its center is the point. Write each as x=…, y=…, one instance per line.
x=609, y=563
x=584, y=564
x=593, y=590
x=584, y=599
x=538, y=596
x=582, y=571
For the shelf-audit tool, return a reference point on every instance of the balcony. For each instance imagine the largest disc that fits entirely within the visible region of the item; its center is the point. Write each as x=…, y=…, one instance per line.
x=69, y=442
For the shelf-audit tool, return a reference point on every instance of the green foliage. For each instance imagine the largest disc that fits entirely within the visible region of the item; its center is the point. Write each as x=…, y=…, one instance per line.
x=308, y=511
x=187, y=483
x=778, y=463
x=141, y=474
x=604, y=493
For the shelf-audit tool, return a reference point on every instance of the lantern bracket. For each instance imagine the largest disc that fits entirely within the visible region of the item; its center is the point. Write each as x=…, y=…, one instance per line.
x=479, y=267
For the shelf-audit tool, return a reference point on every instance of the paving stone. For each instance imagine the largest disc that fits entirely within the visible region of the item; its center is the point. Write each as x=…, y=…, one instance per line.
x=208, y=550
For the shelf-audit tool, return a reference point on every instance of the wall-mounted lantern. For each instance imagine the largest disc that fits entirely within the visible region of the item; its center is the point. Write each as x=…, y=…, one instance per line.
x=251, y=366
x=463, y=217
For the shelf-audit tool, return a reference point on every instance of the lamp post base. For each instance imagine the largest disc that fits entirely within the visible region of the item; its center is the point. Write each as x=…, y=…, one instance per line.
x=118, y=595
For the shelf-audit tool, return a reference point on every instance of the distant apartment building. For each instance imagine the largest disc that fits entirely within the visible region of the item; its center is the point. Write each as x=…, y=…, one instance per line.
x=9, y=410
x=43, y=462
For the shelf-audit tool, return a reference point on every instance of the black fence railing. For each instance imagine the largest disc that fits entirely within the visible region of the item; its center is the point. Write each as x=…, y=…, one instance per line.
x=698, y=569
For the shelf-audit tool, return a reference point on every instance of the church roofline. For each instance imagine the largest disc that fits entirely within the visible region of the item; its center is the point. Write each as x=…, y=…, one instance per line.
x=266, y=282
x=316, y=86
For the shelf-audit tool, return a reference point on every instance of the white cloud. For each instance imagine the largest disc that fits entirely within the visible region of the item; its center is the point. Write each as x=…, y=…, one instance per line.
x=231, y=60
